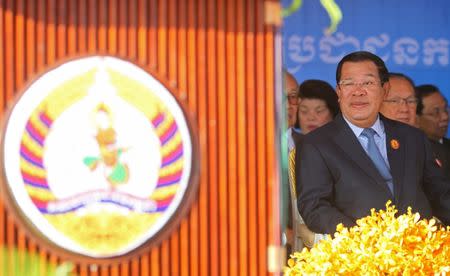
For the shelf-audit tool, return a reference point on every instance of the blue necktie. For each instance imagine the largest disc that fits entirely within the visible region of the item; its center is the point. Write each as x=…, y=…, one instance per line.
x=377, y=158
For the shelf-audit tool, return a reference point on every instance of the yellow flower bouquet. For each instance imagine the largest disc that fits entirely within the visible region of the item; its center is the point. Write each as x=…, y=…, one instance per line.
x=380, y=244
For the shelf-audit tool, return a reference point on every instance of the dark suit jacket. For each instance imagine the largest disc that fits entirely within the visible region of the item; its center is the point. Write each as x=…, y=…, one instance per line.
x=338, y=183
x=446, y=142
x=442, y=153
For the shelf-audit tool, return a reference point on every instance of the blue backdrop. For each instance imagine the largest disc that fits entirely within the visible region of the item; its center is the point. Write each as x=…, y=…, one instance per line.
x=412, y=37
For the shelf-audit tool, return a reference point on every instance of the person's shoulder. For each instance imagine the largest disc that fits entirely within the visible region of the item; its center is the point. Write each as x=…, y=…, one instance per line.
x=403, y=128
x=297, y=136
x=321, y=134
x=446, y=142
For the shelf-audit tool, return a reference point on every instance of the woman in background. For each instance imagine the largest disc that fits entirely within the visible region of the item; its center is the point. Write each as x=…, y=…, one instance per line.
x=318, y=105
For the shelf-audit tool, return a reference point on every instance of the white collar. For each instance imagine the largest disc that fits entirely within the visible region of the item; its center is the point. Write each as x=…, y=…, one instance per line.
x=377, y=126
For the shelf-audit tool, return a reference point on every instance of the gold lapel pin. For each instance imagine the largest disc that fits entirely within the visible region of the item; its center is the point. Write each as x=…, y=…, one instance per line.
x=395, y=144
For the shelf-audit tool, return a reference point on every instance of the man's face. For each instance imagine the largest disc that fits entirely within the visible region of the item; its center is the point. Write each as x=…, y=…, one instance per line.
x=360, y=92
x=400, y=103
x=292, y=99
x=434, y=118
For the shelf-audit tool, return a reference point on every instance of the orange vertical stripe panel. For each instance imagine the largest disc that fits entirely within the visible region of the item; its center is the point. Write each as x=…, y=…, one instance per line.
x=231, y=64
x=50, y=31
x=261, y=153
x=92, y=27
x=124, y=271
x=40, y=35
x=145, y=265
x=72, y=27
x=30, y=38
x=61, y=29
x=135, y=266
x=9, y=50
x=123, y=24
x=172, y=42
x=154, y=261
x=222, y=88
x=212, y=151
x=104, y=271
x=10, y=81
x=83, y=270
x=251, y=93
x=218, y=57
x=165, y=258
x=115, y=270
x=82, y=26
x=102, y=25
x=182, y=84
x=253, y=97
x=172, y=77
x=112, y=26
x=202, y=97
x=2, y=100
x=142, y=26
x=131, y=30
x=162, y=37
x=272, y=197
x=192, y=105
x=19, y=45
x=152, y=15
x=242, y=126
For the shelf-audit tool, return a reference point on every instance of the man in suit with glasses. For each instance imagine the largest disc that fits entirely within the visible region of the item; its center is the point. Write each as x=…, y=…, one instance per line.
x=433, y=118
x=361, y=159
x=401, y=102
x=292, y=99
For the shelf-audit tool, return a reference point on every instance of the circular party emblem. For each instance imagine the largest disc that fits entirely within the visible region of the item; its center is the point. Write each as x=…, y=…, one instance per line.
x=98, y=156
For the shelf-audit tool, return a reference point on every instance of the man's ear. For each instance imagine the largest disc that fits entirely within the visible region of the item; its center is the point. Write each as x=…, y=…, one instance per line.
x=418, y=120
x=338, y=92
x=386, y=88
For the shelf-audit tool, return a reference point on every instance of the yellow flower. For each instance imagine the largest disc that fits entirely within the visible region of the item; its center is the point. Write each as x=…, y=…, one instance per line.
x=380, y=244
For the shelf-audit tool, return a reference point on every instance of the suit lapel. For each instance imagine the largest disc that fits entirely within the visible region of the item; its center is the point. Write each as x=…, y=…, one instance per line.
x=351, y=146
x=396, y=147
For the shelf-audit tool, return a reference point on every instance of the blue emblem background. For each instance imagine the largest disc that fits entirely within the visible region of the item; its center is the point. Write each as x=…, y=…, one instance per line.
x=412, y=37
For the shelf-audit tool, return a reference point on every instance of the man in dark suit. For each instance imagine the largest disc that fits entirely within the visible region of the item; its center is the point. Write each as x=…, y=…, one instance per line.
x=432, y=118
x=401, y=102
x=361, y=159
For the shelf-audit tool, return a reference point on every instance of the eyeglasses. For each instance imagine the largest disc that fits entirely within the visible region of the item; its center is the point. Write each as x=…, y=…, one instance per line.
x=349, y=85
x=438, y=111
x=399, y=101
x=292, y=98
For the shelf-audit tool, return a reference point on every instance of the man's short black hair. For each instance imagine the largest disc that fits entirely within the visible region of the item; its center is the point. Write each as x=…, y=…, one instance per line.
x=423, y=91
x=360, y=56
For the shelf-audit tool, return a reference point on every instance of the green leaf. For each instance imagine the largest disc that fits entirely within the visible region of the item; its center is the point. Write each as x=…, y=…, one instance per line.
x=20, y=262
